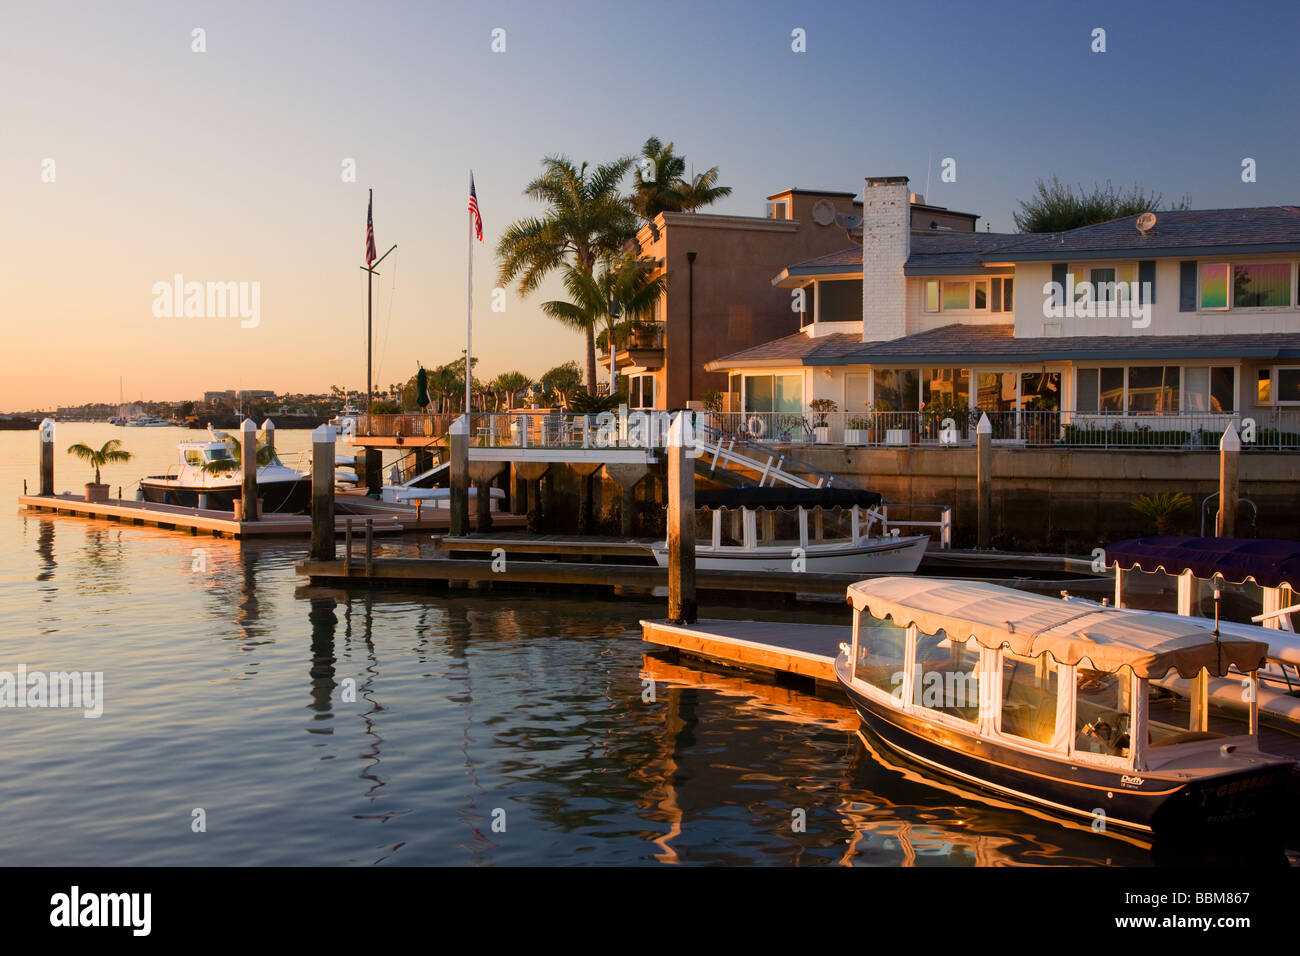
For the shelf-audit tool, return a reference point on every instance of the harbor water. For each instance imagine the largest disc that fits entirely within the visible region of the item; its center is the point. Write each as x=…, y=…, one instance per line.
x=248, y=719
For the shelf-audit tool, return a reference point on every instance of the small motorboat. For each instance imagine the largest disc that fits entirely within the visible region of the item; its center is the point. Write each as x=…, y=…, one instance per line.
x=1059, y=703
x=803, y=529
x=208, y=476
x=148, y=421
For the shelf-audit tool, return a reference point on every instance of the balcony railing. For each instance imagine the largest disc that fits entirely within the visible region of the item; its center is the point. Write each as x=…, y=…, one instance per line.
x=1183, y=431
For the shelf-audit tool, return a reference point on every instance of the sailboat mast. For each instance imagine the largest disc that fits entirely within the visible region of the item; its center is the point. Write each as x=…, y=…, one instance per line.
x=370, y=279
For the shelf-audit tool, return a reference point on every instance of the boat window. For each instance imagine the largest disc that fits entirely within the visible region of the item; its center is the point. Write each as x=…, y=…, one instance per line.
x=1237, y=602
x=1156, y=591
x=218, y=454
x=733, y=527
x=1170, y=717
x=882, y=653
x=194, y=457
x=1029, y=686
x=1103, y=711
x=947, y=676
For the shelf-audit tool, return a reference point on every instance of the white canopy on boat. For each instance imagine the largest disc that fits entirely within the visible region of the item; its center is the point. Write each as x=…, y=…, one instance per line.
x=1029, y=624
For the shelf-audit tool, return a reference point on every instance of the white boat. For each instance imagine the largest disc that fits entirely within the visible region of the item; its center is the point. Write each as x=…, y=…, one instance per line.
x=148, y=421
x=855, y=550
x=346, y=420
x=1062, y=704
x=190, y=484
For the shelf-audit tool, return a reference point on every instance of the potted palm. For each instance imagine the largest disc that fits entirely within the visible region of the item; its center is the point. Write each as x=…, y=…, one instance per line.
x=110, y=454
x=821, y=428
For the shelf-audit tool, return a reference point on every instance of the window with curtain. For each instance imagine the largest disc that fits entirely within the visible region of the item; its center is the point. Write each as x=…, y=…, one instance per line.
x=1261, y=286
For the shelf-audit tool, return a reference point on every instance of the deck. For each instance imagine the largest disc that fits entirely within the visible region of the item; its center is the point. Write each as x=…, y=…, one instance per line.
x=808, y=650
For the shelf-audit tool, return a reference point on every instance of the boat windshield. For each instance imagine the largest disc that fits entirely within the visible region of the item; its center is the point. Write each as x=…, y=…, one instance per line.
x=218, y=454
x=1103, y=711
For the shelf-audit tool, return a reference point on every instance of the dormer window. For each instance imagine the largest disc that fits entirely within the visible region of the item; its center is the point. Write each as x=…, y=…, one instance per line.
x=778, y=209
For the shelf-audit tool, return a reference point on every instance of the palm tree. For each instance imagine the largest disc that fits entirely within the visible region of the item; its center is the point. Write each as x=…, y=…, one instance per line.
x=622, y=292
x=508, y=385
x=110, y=454
x=586, y=219
x=702, y=190
x=660, y=191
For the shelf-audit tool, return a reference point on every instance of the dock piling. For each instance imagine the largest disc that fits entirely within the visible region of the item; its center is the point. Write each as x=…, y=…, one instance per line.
x=47, y=456
x=682, y=608
x=347, y=545
x=458, y=439
x=370, y=546
x=248, y=464
x=1229, y=453
x=374, y=470
x=322, y=491
x=268, y=429
x=984, y=480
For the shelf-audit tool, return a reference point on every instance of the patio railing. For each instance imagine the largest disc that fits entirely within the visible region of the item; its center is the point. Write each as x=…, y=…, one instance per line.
x=1058, y=428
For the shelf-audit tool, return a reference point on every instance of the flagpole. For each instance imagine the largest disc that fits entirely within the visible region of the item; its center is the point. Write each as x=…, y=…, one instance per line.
x=370, y=278
x=469, y=300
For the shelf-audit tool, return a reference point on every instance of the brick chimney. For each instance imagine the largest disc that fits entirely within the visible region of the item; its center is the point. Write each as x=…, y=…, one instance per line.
x=886, y=244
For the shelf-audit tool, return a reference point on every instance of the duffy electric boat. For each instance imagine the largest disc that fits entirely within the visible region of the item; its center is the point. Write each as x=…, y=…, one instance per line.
x=191, y=484
x=1057, y=703
x=830, y=527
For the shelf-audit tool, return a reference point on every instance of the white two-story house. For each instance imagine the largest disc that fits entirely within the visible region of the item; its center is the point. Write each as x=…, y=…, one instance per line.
x=1180, y=321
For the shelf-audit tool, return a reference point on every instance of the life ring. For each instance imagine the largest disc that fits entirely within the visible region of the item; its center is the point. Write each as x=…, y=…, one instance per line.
x=755, y=426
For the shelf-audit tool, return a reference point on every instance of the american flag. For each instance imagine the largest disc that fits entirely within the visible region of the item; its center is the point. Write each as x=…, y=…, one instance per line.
x=473, y=208
x=371, y=255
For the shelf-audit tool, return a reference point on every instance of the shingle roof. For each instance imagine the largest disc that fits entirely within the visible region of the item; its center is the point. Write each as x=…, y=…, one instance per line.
x=993, y=344
x=1262, y=228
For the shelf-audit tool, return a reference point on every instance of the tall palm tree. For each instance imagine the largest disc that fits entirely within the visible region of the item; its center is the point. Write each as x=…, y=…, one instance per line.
x=702, y=190
x=658, y=181
x=622, y=292
x=586, y=219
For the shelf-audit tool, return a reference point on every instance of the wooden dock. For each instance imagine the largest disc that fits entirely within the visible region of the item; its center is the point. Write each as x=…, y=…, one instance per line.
x=550, y=545
x=808, y=650
x=196, y=521
x=523, y=571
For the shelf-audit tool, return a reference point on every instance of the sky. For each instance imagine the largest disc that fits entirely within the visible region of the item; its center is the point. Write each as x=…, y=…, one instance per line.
x=227, y=165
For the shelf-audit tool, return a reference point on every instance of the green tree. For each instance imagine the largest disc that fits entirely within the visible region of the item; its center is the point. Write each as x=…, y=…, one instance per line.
x=507, y=386
x=622, y=292
x=111, y=453
x=564, y=380
x=1056, y=207
x=586, y=219
x=662, y=185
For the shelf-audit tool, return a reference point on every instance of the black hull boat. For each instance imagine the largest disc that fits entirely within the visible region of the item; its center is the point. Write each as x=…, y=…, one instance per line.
x=208, y=476
x=1134, y=801
x=1056, y=704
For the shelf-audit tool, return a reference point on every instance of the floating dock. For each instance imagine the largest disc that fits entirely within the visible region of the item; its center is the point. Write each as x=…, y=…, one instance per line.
x=386, y=520
x=807, y=650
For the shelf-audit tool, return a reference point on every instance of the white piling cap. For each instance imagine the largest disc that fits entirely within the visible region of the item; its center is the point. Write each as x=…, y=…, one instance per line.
x=984, y=427
x=459, y=427
x=268, y=426
x=248, y=425
x=324, y=435
x=1230, y=441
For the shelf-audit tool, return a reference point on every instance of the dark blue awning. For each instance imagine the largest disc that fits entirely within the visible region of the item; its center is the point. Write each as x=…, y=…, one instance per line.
x=1271, y=563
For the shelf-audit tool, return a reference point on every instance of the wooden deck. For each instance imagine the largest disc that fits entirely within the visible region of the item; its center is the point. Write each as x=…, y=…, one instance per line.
x=388, y=519
x=808, y=650
x=551, y=545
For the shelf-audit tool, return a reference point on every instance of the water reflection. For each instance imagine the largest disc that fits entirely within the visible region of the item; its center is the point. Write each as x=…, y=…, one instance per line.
x=323, y=622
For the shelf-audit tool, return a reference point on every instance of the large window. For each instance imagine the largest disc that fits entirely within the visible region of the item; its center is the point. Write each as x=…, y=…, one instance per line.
x=839, y=300
x=1103, y=712
x=774, y=393
x=1040, y=391
x=1279, y=385
x=994, y=294
x=1259, y=285
x=897, y=390
x=1210, y=389
x=997, y=391
x=1153, y=388
x=1029, y=687
x=945, y=387
x=947, y=676
x=882, y=654
x=641, y=391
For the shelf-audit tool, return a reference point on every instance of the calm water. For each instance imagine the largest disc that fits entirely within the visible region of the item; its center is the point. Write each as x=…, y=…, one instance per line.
x=230, y=689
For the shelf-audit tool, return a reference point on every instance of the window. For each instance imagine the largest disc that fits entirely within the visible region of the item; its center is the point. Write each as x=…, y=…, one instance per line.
x=1085, y=390
x=944, y=387
x=1103, y=712
x=897, y=390
x=1029, y=688
x=956, y=295
x=774, y=393
x=932, y=296
x=1002, y=295
x=981, y=294
x=641, y=391
x=1103, y=285
x=947, y=676
x=1214, y=285
x=882, y=654
x=1111, y=390
x=1210, y=389
x=997, y=391
x=1261, y=286
x=1040, y=391
x=194, y=457
x=1288, y=386
x=780, y=209
x=839, y=300
x=1153, y=388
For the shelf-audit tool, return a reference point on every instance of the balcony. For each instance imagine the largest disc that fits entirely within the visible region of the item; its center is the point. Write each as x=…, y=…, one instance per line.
x=643, y=349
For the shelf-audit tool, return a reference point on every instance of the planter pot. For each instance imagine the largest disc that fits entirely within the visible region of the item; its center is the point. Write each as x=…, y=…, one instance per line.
x=898, y=436
x=96, y=492
x=822, y=434
x=857, y=436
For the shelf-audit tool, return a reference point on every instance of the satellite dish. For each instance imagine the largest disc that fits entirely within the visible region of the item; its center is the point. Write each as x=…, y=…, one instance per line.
x=823, y=212
x=1146, y=222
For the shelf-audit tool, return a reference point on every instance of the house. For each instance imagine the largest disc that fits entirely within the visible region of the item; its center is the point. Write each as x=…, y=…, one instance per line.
x=720, y=298
x=1189, y=313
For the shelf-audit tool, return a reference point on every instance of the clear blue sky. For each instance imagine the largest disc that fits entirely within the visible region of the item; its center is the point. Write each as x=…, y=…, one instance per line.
x=224, y=166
